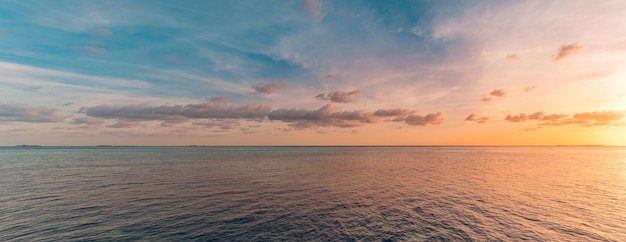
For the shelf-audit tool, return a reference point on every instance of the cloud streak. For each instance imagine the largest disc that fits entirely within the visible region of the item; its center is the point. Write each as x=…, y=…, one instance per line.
x=566, y=51
x=23, y=113
x=224, y=116
x=498, y=93
x=267, y=88
x=596, y=118
x=340, y=96
x=475, y=118
x=331, y=115
x=178, y=113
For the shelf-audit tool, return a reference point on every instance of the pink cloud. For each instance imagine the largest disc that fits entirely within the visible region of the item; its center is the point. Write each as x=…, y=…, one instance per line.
x=566, y=51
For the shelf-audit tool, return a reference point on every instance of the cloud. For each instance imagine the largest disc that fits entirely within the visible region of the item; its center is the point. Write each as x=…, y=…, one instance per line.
x=178, y=113
x=212, y=114
x=529, y=88
x=567, y=51
x=222, y=124
x=330, y=115
x=219, y=99
x=335, y=78
x=512, y=56
x=474, y=118
x=314, y=8
x=124, y=124
x=535, y=116
x=516, y=118
x=340, y=96
x=542, y=116
x=486, y=99
x=599, y=118
x=431, y=118
x=23, y=113
x=267, y=88
x=584, y=119
x=32, y=88
x=393, y=112
x=498, y=93
x=87, y=121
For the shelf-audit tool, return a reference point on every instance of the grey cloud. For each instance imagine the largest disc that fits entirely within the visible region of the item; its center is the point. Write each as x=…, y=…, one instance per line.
x=222, y=124
x=88, y=121
x=178, y=112
x=567, y=51
x=475, y=118
x=32, y=88
x=124, y=124
x=340, y=96
x=213, y=114
x=328, y=115
x=431, y=118
x=392, y=112
x=516, y=118
x=22, y=113
x=498, y=93
x=267, y=88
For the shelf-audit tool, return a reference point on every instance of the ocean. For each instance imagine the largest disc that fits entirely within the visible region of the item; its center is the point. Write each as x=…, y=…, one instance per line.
x=312, y=193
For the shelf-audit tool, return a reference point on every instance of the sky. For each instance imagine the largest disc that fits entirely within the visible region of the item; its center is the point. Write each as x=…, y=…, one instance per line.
x=312, y=72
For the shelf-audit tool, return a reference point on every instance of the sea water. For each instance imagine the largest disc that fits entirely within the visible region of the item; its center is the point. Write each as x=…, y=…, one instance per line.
x=312, y=193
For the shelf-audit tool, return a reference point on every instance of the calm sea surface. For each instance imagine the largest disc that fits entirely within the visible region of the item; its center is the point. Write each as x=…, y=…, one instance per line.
x=313, y=193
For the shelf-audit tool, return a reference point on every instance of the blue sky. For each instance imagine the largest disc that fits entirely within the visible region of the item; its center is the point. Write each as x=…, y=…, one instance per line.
x=305, y=72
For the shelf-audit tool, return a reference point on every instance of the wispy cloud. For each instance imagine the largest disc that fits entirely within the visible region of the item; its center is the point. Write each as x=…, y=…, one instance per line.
x=423, y=120
x=486, y=99
x=32, y=88
x=178, y=112
x=475, y=118
x=267, y=88
x=88, y=121
x=529, y=88
x=495, y=93
x=221, y=124
x=340, y=96
x=124, y=124
x=566, y=51
x=331, y=115
x=596, y=118
x=498, y=93
x=23, y=113
x=328, y=115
